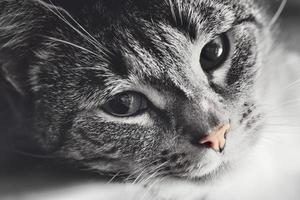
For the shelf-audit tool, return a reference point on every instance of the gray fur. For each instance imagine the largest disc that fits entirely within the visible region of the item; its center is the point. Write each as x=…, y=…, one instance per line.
x=73, y=69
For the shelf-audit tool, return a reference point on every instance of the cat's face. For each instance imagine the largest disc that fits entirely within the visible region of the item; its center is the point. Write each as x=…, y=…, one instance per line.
x=151, y=79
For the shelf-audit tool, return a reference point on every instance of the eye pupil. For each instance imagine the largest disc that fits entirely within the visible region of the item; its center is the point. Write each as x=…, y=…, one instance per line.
x=215, y=53
x=121, y=104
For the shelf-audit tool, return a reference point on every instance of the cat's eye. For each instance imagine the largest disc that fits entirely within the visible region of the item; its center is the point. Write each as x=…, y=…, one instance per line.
x=126, y=104
x=215, y=53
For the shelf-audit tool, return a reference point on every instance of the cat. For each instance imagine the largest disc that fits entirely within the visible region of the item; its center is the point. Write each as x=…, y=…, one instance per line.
x=135, y=88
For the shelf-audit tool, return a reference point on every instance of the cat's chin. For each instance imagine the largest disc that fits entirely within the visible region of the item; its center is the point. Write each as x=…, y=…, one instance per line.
x=207, y=174
x=208, y=165
x=209, y=168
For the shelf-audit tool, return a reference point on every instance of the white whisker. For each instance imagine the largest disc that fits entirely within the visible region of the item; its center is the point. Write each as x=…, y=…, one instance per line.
x=115, y=176
x=295, y=102
x=171, y=5
x=271, y=139
x=284, y=125
x=278, y=13
x=72, y=44
x=93, y=39
x=155, y=172
x=293, y=84
x=139, y=177
x=55, y=10
x=179, y=10
x=277, y=132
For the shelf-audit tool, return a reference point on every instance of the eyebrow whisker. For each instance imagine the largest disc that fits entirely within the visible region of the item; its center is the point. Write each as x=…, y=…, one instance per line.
x=278, y=13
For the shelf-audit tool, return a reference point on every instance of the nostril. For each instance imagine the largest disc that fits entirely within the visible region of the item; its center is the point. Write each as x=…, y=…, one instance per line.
x=208, y=144
x=215, y=140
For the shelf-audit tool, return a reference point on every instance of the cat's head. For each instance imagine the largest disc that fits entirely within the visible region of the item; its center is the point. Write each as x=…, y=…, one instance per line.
x=137, y=85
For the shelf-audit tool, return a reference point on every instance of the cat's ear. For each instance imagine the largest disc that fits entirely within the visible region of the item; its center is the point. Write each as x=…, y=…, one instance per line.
x=20, y=27
x=23, y=23
x=13, y=71
x=18, y=33
x=15, y=102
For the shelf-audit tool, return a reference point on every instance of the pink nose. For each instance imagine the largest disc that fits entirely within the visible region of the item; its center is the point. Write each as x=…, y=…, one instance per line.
x=216, y=139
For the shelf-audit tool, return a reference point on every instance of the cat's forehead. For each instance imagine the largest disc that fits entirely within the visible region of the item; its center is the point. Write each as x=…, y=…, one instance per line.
x=162, y=47
x=185, y=15
x=156, y=44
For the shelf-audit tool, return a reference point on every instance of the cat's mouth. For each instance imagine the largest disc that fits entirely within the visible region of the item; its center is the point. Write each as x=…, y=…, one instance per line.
x=198, y=174
x=190, y=167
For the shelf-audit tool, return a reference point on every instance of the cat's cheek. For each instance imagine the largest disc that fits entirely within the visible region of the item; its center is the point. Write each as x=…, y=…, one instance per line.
x=92, y=138
x=244, y=59
x=243, y=139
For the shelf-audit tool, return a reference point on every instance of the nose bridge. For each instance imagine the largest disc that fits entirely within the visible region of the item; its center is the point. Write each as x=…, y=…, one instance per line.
x=200, y=118
x=201, y=115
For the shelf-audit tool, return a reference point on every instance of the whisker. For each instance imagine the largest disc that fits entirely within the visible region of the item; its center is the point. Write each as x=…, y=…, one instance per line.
x=283, y=117
x=269, y=131
x=154, y=172
x=179, y=10
x=139, y=177
x=85, y=31
x=55, y=10
x=28, y=154
x=270, y=140
x=278, y=13
x=115, y=176
x=88, y=36
x=143, y=171
x=171, y=5
x=295, y=103
x=72, y=44
x=293, y=84
x=137, y=180
x=284, y=125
